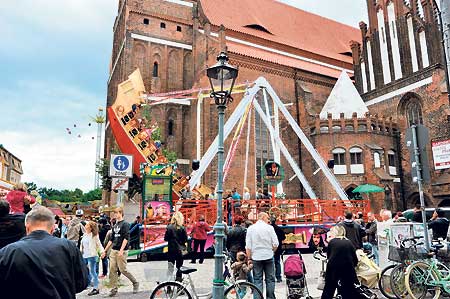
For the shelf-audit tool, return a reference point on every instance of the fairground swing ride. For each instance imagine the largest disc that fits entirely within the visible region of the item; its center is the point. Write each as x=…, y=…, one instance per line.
x=303, y=220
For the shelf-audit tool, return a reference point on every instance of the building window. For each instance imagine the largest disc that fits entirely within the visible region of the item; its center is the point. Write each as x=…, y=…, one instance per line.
x=356, y=163
x=170, y=127
x=376, y=160
x=179, y=28
x=349, y=128
x=339, y=161
x=337, y=129
x=146, y=21
x=414, y=112
x=324, y=129
x=163, y=25
x=362, y=128
x=392, y=163
x=155, y=69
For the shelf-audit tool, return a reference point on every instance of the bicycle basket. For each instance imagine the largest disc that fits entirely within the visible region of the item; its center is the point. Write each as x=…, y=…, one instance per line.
x=399, y=255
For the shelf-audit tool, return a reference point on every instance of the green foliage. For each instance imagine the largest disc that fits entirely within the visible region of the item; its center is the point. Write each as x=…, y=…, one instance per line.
x=146, y=112
x=92, y=195
x=156, y=134
x=31, y=186
x=170, y=155
x=103, y=170
x=76, y=195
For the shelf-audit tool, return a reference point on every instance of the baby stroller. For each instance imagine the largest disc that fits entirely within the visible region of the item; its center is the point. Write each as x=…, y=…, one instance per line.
x=295, y=271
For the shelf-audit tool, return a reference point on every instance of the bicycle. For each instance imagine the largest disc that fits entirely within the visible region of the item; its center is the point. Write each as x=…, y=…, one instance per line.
x=392, y=278
x=428, y=276
x=237, y=289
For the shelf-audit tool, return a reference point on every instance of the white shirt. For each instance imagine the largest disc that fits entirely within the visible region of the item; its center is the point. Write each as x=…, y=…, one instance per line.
x=260, y=240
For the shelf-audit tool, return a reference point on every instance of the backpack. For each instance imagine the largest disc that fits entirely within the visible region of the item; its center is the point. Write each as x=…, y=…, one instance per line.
x=294, y=266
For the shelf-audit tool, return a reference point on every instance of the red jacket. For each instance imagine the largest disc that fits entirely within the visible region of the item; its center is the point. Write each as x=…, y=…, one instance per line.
x=16, y=201
x=200, y=230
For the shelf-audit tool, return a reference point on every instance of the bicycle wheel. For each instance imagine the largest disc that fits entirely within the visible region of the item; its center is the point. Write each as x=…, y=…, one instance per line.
x=397, y=280
x=384, y=283
x=172, y=290
x=417, y=281
x=243, y=290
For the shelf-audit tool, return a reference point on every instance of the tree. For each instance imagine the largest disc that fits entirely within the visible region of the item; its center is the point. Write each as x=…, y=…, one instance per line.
x=31, y=186
x=92, y=195
x=103, y=170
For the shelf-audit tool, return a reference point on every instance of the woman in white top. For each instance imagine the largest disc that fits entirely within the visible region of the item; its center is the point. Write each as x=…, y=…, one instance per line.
x=90, y=248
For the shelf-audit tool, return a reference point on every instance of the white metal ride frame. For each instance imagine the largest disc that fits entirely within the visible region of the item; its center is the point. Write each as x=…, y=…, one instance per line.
x=262, y=84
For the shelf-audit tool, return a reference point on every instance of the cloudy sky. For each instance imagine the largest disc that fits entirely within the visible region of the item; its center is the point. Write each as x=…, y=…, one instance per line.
x=54, y=59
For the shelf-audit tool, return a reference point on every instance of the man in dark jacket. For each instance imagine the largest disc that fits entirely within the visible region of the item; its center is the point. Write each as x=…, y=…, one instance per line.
x=371, y=232
x=12, y=226
x=353, y=231
x=40, y=265
x=439, y=224
x=236, y=237
x=281, y=236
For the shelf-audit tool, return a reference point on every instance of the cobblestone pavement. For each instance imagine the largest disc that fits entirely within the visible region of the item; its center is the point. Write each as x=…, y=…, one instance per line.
x=150, y=272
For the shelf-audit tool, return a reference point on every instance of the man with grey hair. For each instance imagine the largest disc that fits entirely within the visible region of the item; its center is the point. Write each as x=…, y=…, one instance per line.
x=260, y=243
x=40, y=265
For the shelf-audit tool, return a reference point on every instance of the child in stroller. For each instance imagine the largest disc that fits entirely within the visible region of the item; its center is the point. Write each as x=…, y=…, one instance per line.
x=295, y=271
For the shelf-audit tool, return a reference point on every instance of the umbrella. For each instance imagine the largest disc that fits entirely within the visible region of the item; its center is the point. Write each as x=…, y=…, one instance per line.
x=368, y=188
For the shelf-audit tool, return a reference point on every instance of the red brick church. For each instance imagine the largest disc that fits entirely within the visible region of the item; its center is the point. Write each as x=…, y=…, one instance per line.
x=396, y=68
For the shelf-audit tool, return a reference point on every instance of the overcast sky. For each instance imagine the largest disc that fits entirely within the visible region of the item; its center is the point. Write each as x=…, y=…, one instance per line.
x=54, y=58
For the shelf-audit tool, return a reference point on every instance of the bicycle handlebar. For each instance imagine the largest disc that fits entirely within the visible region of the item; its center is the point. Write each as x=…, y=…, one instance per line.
x=412, y=240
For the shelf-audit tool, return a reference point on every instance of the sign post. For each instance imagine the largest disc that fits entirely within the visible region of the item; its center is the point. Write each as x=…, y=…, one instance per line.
x=417, y=144
x=120, y=169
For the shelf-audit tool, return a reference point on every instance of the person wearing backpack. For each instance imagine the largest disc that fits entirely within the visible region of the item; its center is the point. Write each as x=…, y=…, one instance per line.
x=76, y=228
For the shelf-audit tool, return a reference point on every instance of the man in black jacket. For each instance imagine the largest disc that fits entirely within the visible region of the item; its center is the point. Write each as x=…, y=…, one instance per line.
x=439, y=224
x=12, y=226
x=236, y=237
x=40, y=265
x=353, y=231
x=281, y=236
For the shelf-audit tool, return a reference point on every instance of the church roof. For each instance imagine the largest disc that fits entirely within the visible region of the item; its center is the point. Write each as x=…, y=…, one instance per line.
x=344, y=98
x=284, y=24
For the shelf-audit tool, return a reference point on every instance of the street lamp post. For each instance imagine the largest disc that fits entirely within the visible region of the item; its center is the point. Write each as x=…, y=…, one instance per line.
x=221, y=74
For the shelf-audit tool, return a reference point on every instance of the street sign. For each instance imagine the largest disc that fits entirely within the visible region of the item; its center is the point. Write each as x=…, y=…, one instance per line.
x=121, y=166
x=119, y=183
x=441, y=154
x=423, y=139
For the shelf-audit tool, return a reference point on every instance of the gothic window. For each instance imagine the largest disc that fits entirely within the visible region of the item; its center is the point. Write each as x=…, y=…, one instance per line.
x=339, y=161
x=146, y=21
x=414, y=112
x=188, y=73
x=376, y=160
x=356, y=163
x=170, y=127
x=163, y=25
x=392, y=163
x=179, y=28
x=155, y=69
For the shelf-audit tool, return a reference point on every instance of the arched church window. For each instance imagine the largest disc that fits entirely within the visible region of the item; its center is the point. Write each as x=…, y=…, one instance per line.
x=155, y=69
x=414, y=112
x=170, y=127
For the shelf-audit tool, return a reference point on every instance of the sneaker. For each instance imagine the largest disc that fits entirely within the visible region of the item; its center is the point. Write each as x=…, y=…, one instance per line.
x=93, y=292
x=192, y=262
x=135, y=287
x=113, y=293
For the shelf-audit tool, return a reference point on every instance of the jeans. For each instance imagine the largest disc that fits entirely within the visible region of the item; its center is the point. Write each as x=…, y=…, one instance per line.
x=268, y=268
x=375, y=253
x=201, y=255
x=104, y=266
x=277, y=258
x=92, y=264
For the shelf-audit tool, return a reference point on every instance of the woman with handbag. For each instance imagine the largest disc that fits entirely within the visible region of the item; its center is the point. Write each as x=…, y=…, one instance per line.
x=176, y=238
x=91, y=248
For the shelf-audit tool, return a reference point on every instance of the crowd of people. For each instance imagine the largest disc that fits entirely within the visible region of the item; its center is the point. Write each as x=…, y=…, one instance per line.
x=61, y=256
x=34, y=243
